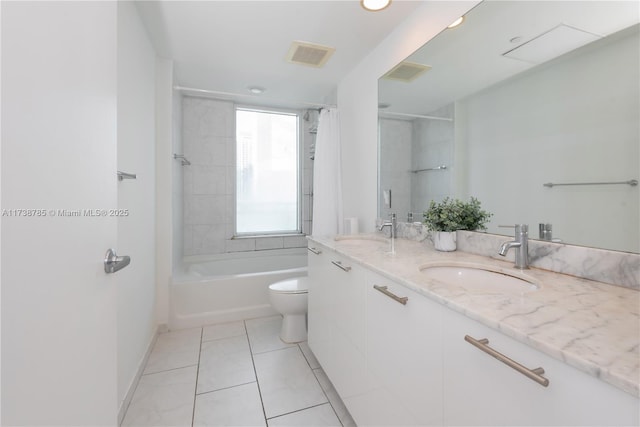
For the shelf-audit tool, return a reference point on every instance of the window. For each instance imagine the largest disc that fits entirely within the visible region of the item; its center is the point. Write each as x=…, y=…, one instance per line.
x=267, y=177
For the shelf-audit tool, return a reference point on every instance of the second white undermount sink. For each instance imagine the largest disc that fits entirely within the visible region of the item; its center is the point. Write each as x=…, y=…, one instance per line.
x=481, y=278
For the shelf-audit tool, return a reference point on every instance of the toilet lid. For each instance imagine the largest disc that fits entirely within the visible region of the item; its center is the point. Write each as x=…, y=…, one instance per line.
x=291, y=286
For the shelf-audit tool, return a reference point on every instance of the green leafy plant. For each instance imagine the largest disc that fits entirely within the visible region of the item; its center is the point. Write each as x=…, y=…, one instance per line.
x=454, y=214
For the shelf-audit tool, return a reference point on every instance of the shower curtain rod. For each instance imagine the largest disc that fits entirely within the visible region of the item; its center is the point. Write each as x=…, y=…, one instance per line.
x=418, y=116
x=244, y=95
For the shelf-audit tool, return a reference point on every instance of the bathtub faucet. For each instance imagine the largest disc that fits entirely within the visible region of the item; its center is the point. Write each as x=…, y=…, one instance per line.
x=391, y=224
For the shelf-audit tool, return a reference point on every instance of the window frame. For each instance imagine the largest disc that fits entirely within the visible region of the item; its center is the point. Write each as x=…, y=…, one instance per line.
x=299, y=171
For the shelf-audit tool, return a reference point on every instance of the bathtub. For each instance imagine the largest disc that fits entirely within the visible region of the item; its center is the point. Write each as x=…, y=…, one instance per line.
x=229, y=287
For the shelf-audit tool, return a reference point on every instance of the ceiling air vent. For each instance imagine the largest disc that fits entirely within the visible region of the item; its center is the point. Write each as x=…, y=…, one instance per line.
x=406, y=71
x=312, y=55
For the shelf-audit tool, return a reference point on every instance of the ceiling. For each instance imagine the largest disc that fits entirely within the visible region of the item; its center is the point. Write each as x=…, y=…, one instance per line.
x=471, y=57
x=227, y=46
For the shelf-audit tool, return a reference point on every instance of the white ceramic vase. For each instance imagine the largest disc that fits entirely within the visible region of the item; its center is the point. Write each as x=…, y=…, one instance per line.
x=444, y=241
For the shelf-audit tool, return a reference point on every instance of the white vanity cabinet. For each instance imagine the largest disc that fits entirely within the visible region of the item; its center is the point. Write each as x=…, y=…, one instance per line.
x=404, y=356
x=409, y=364
x=481, y=390
x=336, y=320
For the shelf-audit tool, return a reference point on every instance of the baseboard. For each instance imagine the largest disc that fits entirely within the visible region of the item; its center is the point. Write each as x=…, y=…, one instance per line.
x=124, y=405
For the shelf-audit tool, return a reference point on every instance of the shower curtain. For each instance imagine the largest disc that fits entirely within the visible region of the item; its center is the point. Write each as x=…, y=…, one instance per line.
x=327, y=178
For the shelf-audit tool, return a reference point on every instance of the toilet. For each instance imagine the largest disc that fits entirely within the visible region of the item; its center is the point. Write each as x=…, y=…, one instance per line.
x=289, y=298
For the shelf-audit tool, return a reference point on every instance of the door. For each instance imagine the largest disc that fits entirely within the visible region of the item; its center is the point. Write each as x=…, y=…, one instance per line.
x=58, y=184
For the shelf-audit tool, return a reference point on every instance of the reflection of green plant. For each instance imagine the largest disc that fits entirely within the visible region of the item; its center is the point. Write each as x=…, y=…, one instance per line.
x=454, y=214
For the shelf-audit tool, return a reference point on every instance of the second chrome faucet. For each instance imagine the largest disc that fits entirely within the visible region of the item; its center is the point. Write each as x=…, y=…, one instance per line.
x=391, y=224
x=521, y=245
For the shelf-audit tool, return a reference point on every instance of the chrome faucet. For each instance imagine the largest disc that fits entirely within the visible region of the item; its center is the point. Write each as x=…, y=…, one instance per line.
x=521, y=243
x=391, y=224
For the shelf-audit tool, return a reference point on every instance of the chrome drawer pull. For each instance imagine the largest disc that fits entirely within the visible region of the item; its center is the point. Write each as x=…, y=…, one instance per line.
x=384, y=290
x=339, y=265
x=315, y=251
x=533, y=374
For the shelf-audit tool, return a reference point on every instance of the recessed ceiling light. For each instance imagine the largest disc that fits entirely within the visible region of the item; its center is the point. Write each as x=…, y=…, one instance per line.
x=456, y=22
x=375, y=5
x=256, y=90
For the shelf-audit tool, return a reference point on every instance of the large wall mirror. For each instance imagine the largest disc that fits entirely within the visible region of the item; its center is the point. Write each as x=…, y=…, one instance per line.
x=511, y=105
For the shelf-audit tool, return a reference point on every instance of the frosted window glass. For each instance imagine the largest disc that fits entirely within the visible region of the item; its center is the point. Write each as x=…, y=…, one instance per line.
x=266, y=172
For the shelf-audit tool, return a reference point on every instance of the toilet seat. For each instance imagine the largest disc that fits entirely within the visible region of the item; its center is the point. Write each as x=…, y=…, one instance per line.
x=291, y=286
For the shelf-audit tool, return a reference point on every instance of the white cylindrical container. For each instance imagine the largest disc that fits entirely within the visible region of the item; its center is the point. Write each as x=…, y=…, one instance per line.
x=351, y=226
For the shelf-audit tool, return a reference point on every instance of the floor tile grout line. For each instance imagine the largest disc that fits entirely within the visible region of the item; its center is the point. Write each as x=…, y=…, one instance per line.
x=303, y=409
x=224, y=388
x=169, y=370
x=325, y=394
x=195, y=391
x=255, y=372
x=223, y=338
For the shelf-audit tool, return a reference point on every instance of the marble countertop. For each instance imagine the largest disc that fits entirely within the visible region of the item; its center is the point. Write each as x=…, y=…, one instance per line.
x=592, y=326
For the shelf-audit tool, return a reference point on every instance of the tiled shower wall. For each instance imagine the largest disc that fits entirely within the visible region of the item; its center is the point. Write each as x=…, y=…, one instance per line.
x=208, y=136
x=433, y=144
x=407, y=145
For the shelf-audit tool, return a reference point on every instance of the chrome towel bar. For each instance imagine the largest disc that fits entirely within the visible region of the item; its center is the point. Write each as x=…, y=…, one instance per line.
x=184, y=160
x=631, y=182
x=123, y=175
x=437, y=168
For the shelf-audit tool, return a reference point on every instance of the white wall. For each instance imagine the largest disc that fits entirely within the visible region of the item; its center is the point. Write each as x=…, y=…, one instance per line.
x=136, y=232
x=358, y=104
x=572, y=120
x=166, y=174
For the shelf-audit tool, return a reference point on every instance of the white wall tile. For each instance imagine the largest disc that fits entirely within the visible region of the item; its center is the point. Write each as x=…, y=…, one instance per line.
x=208, y=179
x=204, y=209
x=295, y=242
x=269, y=243
x=240, y=245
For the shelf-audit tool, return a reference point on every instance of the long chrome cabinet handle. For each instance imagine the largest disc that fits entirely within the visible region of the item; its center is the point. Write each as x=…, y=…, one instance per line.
x=384, y=290
x=340, y=266
x=533, y=374
x=314, y=250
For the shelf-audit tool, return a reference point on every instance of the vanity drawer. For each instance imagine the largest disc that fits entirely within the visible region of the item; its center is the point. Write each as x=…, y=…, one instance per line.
x=480, y=389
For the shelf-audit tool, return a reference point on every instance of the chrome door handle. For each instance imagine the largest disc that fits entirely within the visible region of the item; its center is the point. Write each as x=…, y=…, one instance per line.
x=113, y=262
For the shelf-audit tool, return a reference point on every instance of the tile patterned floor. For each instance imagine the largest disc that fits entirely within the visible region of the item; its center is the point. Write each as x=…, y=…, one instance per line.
x=234, y=374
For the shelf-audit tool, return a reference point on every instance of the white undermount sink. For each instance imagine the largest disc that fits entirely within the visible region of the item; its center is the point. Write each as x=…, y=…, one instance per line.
x=481, y=278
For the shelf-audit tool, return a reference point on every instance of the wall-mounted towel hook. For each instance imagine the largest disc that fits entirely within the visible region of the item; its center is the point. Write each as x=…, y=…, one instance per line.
x=184, y=160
